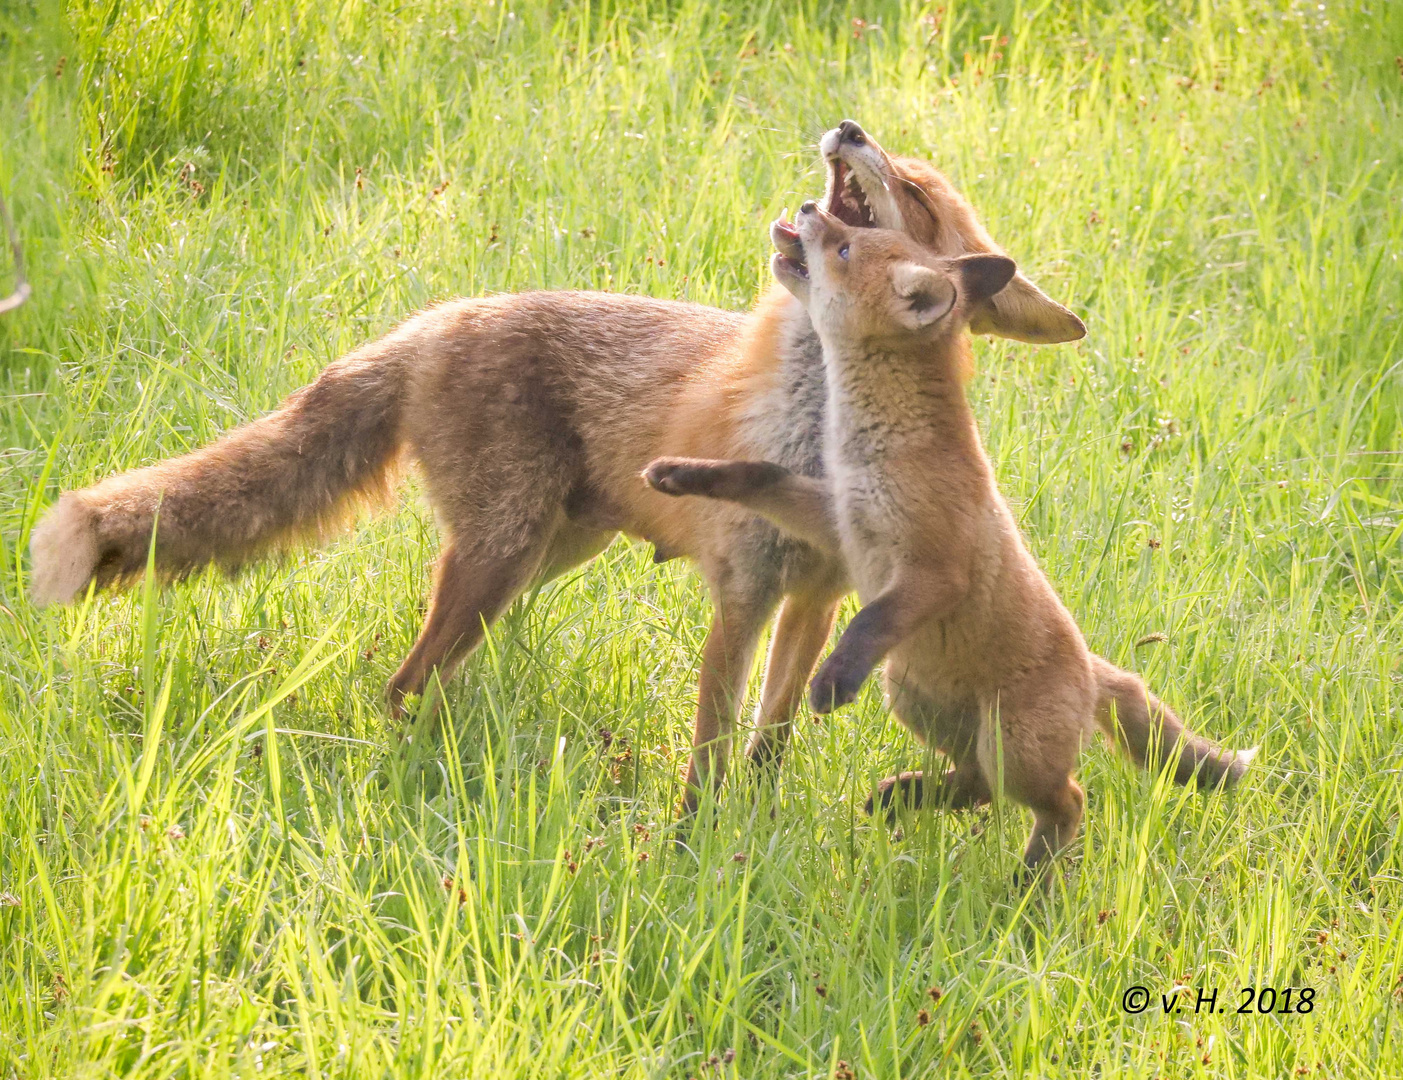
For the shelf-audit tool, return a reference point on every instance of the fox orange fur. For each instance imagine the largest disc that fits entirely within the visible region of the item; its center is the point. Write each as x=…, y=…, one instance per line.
x=982, y=659
x=530, y=417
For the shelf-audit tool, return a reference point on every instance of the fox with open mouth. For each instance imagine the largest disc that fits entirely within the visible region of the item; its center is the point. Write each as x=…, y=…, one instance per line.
x=530, y=418
x=983, y=662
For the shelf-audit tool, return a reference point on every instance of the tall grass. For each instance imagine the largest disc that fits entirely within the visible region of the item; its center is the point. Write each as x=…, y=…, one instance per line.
x=217, y=860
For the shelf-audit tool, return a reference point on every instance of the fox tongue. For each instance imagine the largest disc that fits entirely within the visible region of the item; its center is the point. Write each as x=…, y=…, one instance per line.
x=785, y=238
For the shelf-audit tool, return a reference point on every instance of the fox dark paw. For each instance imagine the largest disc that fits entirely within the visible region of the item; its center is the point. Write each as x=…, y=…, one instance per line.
x=894, y=792
x=716, y=479
x=834, y=686
x=677, y=477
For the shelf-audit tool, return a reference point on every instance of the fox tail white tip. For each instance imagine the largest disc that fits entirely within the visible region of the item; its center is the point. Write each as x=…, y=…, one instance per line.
x=63, y=552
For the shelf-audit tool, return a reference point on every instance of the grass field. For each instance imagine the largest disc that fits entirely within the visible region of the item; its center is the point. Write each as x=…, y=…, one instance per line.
x=215, y=859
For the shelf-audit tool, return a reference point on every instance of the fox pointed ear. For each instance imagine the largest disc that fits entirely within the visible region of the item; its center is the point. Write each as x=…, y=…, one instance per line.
x=982, y=276
x=923, y=295
x=1023, y=312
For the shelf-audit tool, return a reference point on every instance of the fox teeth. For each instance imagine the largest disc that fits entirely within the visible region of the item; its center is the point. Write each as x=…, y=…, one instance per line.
x=857, y=200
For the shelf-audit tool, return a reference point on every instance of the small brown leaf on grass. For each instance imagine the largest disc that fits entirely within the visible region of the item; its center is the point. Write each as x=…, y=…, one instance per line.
x=1150, y=639
x=8, y=899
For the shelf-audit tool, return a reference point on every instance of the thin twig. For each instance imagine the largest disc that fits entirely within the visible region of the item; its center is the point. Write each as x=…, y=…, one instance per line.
x=22, y=290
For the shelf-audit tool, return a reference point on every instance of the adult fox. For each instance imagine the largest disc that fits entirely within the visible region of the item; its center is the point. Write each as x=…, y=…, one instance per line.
x=531, y=417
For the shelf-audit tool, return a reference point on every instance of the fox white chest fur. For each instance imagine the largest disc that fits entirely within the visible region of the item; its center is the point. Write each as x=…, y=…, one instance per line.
x=868, y=422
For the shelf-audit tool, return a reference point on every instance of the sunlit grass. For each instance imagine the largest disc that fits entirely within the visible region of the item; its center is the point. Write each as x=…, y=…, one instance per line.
x=215, y=858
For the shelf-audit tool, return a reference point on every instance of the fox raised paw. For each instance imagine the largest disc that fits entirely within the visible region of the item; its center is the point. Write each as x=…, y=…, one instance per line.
x=713, y=479
x=837, y=683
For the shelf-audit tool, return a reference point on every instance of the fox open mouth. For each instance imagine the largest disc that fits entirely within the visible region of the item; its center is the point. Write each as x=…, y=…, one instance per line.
x=794, y=266
x=846, y=200
x=788, y=247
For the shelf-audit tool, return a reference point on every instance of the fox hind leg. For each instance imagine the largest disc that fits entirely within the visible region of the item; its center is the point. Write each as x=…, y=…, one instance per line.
x=1029, y=746
x=1057, y=814
x=954, y=728
x=962, y=787
x=472, y=587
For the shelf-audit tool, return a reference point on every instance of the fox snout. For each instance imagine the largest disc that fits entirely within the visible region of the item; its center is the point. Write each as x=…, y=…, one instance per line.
x=814, y=223
x=848, y=132
x=810, y=225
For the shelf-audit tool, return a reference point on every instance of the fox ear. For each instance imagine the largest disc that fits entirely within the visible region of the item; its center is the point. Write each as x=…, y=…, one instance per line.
x=1023, y=312
x=923, y=295
x=982, y=276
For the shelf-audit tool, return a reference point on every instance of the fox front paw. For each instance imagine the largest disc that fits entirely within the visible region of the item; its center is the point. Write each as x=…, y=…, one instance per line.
x=835, y=685
x=714, y=479
x=677, y=476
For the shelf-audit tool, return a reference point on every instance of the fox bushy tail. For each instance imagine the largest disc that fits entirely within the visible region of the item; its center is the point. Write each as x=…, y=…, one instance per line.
x=1148, y=730
x=291, y=477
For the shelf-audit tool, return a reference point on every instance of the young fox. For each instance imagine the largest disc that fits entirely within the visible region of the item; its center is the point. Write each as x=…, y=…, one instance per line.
x=983, y=661
x=530, y=417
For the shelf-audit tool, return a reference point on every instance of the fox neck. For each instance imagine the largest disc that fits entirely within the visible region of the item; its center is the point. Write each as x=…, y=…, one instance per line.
x=889, y=396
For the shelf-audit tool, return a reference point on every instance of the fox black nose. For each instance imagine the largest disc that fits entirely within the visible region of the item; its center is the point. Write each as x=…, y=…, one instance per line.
x=809, y=207
x=851, y=131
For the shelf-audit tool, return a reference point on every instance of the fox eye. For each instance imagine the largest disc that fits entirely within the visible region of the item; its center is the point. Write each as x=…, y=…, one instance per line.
x=843, y=253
